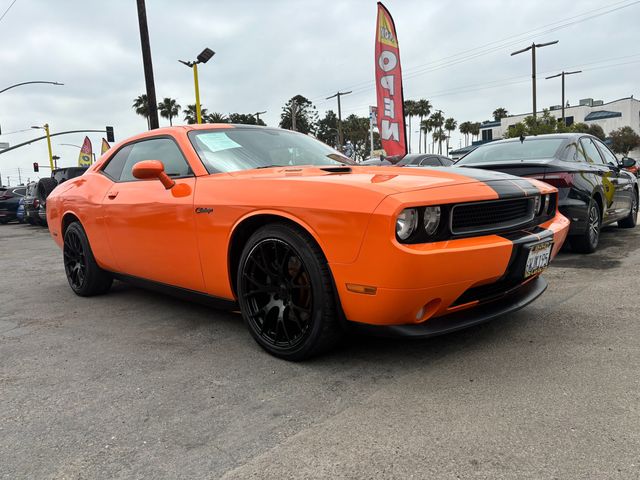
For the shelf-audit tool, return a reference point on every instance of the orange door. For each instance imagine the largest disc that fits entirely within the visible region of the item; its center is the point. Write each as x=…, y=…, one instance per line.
x=151, y=230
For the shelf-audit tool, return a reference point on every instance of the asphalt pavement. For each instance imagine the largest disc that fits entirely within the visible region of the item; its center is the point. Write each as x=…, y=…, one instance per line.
x=135, y=384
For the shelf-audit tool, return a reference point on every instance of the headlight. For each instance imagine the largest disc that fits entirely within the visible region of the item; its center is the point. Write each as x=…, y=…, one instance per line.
x=541, y=204
x=406, y=223
x=431, y=220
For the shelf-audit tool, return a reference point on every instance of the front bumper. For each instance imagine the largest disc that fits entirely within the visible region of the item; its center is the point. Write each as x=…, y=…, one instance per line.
x=419, y=284
x=513, y=300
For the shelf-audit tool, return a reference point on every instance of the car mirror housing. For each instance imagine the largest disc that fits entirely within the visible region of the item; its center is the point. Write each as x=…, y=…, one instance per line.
x=628, y=162
x=150, y=169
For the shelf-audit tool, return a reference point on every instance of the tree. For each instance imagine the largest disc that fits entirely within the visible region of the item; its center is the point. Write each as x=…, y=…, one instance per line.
x=215, y=117
x=500, y=113
x=306, y=115
x=327, y=131
x=245, y=119
x=437, y=121
x=596, y=131
x=542, y=125
x=190, y=114
x=426, y=127
x=449, y=125
x=356, y=131
x=465, y=129
x=423, y=109
x=474, y=130
x=623, y=140
x=141, y=107
x=439, y=136
x=169, y=108
x=410, y=108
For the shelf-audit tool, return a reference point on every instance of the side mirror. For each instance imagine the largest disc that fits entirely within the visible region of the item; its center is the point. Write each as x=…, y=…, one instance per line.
x=149, y=169
x=628, y=162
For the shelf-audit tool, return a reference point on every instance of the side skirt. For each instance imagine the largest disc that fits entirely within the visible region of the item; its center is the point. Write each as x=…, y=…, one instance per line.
x=178, y=292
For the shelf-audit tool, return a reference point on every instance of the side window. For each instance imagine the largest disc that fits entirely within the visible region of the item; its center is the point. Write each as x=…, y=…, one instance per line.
x=163, y=149
x=113, y=169
x=20, y=191
x=591, y=152
x=609, y=157
x=430, y=161
x=579, y=155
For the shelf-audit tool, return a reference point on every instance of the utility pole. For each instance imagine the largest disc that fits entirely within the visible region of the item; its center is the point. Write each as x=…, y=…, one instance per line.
x=562, y=74
x=338, y=95
x=19, y=177
x=533, y=47
x=257, y=115
x=148, y=66
x=294, y=113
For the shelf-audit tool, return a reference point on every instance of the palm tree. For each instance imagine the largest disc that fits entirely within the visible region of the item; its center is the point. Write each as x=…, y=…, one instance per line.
x=500, y=113
x=426, y=127
x=474, y=130
x=437, y=120
x=190, y=114
x=440, y=137
x=169, y=108
x=465, y=129
x=409, y=111
x=423, y=109
x=449, y=125
x=216, y=117
x=141, y=107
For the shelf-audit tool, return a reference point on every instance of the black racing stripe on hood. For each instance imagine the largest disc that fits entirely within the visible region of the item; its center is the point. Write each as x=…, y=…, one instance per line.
x=505, y=185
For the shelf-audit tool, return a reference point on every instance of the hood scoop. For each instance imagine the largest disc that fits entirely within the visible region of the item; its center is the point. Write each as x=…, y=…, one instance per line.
x=336, y=169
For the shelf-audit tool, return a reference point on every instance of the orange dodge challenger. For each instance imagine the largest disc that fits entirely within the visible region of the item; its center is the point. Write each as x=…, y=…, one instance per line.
x=303, y=240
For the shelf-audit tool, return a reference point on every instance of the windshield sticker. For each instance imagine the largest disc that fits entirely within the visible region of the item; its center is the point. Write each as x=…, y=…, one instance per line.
x=217, y=141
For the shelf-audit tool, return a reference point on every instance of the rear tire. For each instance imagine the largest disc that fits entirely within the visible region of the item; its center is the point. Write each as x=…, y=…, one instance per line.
x=631, y=220
x=286, y=293
x=84, y=275
x=45, y=187
x=588, y=241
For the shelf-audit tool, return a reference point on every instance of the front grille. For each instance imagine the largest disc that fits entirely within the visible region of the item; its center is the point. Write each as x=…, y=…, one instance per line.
x=493, y=215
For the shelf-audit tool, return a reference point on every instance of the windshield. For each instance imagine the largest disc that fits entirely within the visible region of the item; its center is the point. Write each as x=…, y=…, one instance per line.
x=233, y=149
x=531, y=148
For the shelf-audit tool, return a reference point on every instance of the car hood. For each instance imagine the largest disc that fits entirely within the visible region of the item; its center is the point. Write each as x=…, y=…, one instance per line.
x=386, y=180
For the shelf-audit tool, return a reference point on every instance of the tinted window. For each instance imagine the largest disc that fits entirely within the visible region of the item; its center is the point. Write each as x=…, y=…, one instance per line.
x=531, y=148
x=430, y=161
x=20, y=191
x=163, y=149
x=609, y=157
x=579, y=155
x=591, y=152
x=116, y=164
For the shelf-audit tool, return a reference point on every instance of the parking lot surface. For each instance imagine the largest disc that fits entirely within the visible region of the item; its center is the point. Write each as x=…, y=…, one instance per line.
x=135, y=384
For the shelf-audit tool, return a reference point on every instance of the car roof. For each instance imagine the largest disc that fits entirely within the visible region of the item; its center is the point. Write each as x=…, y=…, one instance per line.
x=563, y=136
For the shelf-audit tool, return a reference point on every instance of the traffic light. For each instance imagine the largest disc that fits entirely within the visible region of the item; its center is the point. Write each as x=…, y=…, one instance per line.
x=36, y=168
x=110, y=137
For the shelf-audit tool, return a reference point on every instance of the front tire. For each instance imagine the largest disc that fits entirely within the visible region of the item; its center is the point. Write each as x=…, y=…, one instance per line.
x=84, y=275
x=286, y=293
x=632, y=218
x=588, y=241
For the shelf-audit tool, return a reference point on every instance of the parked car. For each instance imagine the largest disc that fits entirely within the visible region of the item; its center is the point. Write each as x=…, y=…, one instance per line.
x=20, y=211
x=411, y=160
x=31, y=204
x=9, y=200
x=594, y=187
x=305, y=243
x=46, y=185
x=635, y=169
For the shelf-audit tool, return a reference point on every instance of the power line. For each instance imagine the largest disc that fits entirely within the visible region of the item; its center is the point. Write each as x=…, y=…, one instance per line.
x=7, y=10
x=482, y=50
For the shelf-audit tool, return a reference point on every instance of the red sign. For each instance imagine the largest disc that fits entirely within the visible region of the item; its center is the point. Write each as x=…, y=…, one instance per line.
x=389, y=85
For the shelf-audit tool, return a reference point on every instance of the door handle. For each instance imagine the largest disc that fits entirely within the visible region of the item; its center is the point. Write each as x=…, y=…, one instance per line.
x=112, y=195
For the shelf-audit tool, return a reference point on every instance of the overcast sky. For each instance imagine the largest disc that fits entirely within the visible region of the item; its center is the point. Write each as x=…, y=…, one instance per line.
x=454, y=53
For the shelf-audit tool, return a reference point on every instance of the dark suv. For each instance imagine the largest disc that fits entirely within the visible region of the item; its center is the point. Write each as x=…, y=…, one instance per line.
x=46, y=185
x=9, y=200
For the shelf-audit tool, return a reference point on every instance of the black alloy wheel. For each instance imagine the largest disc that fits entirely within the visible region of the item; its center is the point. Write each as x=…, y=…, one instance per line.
x=588, y=241
x=84, y=275
x=631, y=220
x=286, y=294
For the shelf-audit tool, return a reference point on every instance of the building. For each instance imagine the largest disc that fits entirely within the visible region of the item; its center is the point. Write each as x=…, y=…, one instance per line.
x=610, y=116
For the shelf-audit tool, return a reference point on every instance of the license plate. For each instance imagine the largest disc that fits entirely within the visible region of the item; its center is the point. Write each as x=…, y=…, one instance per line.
x=538, y=260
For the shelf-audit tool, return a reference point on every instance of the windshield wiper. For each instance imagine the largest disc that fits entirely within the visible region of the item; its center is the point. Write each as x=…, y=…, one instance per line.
x=270, y=166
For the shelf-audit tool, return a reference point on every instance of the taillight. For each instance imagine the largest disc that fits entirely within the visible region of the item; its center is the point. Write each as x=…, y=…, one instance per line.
x=36, y=203
x=557, y=179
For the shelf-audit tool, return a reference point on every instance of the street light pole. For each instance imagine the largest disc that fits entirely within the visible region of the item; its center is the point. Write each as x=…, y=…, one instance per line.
x=257, y=114
x=533, y=47
x=45, y=127
x=204, y=57
x=338, y=95
x=29, y=83
x=562, y=74
x=152, y=103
